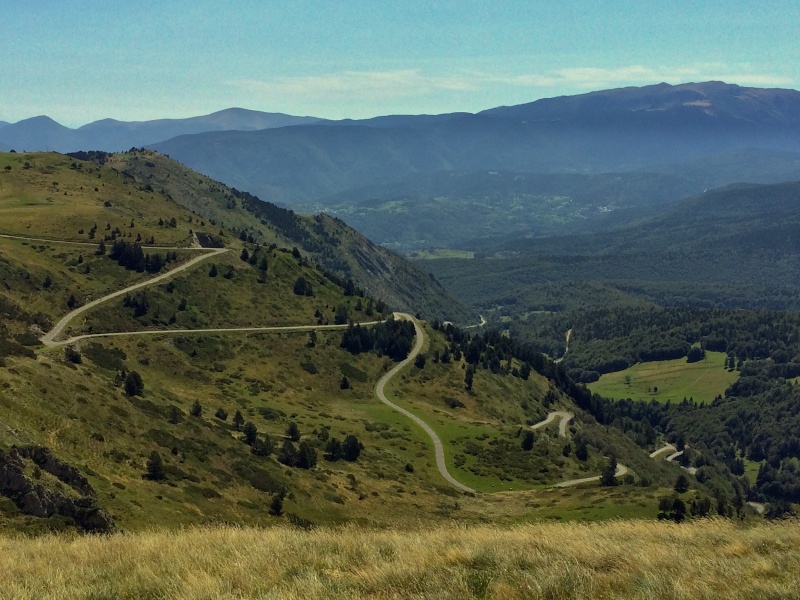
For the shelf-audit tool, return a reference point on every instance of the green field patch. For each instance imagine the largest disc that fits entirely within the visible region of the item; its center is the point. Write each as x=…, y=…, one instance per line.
x=751, y=470
x=434, y=253
x=669, y=380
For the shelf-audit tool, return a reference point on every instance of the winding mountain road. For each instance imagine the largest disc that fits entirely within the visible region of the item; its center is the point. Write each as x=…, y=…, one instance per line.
x=562, y=426
x=481, y=324
x=274, y=329
x=48, y=339
x=441, y=465
x=566, y=346
x=621, y=470
x=196, y=244
x=674, y=453
x=665, y=448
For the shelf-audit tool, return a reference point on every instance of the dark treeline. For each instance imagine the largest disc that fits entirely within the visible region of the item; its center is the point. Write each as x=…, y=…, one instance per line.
x=390, y=338
x=294, y=228
x=758, y=427
x=132, y=257
x=758, y=419
x=612, y=339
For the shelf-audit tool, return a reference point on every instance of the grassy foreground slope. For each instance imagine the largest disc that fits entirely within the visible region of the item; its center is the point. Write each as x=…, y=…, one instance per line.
x=633, y=559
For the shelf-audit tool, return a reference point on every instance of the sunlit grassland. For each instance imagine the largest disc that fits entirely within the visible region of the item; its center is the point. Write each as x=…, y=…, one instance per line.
x=71, y=270
x=434, y=253
x=751, y=470
x=79, y=413
x=617, y=559
x=238, y=296
x=54, y=200
x=669, y=380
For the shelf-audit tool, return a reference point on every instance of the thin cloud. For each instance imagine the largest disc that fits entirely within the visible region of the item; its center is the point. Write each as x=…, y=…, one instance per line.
x=370, y=84
x=410, y=83
x=594, y=77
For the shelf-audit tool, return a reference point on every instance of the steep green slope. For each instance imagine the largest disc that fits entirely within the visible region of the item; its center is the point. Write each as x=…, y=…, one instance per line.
x=148, y=419
x=331, y=243
x=735, y=247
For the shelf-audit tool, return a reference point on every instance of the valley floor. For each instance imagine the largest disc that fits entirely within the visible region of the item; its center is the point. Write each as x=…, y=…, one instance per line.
x=619, y=559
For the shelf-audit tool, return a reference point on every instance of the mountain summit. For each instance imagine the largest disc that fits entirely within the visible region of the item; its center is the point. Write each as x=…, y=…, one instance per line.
x=609, y=131
x=712, y=99
x=110, y=135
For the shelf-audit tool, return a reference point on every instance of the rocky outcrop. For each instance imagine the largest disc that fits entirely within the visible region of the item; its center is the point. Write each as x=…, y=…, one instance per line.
x=65, y=473
x=35, y=499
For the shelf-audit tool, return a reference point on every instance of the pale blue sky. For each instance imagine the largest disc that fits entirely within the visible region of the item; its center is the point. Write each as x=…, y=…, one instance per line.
x=79, y=61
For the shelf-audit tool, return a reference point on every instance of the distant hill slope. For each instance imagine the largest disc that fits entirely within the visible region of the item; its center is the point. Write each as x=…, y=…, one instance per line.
x=408, y=214
x=736, y=247
x=330, y=242
x=739, y=217
x=714, y=99
x=750, y=165
x=43, y=133
x=295, y=164
x=613, y=130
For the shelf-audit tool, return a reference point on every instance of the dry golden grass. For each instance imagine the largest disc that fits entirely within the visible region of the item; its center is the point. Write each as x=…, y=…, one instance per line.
x=621, y=559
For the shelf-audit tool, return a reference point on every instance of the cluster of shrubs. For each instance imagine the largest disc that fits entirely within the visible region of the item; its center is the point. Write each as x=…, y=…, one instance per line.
x=390, y=338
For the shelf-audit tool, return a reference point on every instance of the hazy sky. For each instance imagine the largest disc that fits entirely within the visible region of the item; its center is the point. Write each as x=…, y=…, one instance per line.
x=80, y=61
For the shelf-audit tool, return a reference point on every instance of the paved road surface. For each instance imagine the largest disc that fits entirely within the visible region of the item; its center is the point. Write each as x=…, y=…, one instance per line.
x=379, y=391
x=566, y=346
x=665, y=448
x=275, y=328
x=48, y=339
x=562, y=426
x=196, y=244
x=621, y=470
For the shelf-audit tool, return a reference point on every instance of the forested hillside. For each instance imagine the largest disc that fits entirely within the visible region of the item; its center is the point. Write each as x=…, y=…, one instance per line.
x=163, y=365
x=737, y=247
x=711, y=280
x=335, y=246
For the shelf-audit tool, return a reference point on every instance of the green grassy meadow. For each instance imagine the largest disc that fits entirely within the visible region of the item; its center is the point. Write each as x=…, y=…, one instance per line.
x=751, y=469
x=669, y=380
x=434, y=253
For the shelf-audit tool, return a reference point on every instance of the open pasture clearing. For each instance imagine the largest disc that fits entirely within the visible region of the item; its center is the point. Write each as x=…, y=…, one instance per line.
x=669, y=380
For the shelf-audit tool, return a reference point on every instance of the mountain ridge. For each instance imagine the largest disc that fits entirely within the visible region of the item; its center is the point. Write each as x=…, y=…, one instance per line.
x=302, y=164
x=712, y=97
x=111, y=135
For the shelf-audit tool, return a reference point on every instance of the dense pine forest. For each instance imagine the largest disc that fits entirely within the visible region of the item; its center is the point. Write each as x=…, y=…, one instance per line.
x=757, y=420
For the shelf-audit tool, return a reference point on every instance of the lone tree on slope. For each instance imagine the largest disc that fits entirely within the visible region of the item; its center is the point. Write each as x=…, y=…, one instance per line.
x=609, y=476
x=155, y=467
